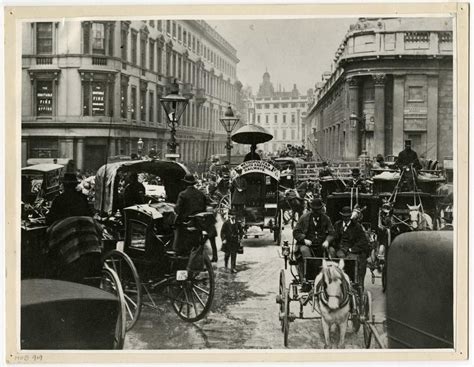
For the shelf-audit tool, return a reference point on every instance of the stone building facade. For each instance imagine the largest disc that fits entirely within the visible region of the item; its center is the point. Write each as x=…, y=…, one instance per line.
x=92, y=89
x=281, y=113
x=394, y=76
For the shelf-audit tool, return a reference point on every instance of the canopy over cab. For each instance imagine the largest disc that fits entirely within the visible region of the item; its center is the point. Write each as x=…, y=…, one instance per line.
x=107, y=179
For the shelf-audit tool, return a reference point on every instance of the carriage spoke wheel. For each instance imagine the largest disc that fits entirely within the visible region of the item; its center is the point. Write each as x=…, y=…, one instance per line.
x=110, y=282
x=356, y=313
x=286, y=313
x=368, y=318
x=192, y=298
x=281, y=294
x=128, y=275
x=224, y=205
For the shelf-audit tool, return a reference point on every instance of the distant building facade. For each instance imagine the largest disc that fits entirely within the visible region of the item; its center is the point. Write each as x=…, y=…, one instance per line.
x=395, y=77
x=281, y=113
x=92, y=89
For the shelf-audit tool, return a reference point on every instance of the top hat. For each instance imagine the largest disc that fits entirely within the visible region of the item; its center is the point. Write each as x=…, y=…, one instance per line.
x=379, y=157
x=408, y=143
x=346, y=211
x=316, y=204
x=189, y=179
x=355, y=172
x=70, y=178
x=325, y=164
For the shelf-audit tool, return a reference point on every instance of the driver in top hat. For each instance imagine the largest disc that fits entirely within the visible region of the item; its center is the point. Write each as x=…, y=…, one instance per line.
x=408, y=156
x=313, y=233
x=350, y=242
x=190, y=201
x=357, y=181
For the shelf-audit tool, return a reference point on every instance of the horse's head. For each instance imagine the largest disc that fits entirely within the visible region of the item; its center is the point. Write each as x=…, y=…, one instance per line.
x=414, y=213
x=335, y=283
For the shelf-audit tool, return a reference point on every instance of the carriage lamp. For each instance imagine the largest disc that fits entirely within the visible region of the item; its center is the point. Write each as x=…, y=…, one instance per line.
x=174, y=105
x=229, y=121
x=140, y=147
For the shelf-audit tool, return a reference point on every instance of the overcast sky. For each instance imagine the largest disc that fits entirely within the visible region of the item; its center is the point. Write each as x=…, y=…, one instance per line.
x=293, y=50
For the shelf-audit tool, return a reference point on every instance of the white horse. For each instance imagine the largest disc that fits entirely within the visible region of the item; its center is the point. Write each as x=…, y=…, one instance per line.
x=419, y=220
x=332, y=290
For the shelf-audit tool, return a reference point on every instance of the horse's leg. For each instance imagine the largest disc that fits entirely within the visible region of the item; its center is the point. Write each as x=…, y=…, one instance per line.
x=326, y=333
x=342, y=334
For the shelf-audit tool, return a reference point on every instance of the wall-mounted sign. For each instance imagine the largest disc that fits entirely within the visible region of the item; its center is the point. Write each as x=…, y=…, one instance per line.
x=44, y=98
x=98, y=100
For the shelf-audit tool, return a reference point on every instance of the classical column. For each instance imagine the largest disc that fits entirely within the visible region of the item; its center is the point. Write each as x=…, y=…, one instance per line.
x=353, y=132
x=379, y=113
x=80, y=153
x=432, y=121
x=398, y=113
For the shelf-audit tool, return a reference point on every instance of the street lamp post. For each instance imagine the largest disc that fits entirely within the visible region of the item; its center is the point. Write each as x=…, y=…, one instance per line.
x=229, y=121
x=174, y=105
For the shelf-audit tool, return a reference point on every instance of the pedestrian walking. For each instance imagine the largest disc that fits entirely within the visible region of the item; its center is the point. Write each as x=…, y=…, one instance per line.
x=231, y=233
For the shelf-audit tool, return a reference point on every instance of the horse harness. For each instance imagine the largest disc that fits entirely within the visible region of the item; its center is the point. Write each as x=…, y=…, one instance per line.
x=321, y=291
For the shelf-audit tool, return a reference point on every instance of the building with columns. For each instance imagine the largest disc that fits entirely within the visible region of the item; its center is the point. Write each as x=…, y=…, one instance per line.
x=92, y=89
x=281, y=113
x=394, y=76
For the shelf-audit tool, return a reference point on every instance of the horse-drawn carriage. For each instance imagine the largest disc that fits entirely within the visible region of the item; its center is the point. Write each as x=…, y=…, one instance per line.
x=261, y=197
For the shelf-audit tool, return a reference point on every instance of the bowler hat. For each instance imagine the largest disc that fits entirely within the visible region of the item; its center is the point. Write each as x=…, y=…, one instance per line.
x=355, y=172
x=346, y=211
x=189, y=179
x=70, y=178
x=316, y=204
x=408, y=143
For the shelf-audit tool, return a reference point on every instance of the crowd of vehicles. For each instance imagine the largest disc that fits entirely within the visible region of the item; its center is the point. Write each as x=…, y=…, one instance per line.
x=139, y=264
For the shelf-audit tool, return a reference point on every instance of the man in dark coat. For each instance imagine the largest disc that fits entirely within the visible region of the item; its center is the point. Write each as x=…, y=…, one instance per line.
x=231, y=233
x=407, y=157
x=350, y=242
x=71, y=203
x=190, y=201
x=252, y=155
x=325, y=171
x=357, y=182
x=134, y=192
x=238, y=189
x=313, y=233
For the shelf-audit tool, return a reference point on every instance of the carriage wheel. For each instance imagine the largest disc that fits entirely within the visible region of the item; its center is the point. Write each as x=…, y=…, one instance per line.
x=281, y=294
x=121, y=263
x=286, y=312
x=224, y=205
x=367, y=300
x=384, y=268
x=110, y=282
x=356, y=312
x=192, y=298
x=278, y=229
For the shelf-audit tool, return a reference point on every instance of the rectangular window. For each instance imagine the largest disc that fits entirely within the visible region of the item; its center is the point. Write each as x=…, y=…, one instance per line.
x=174, y=29
x=276, y=105
x=284, y=134
x=158, y=109
x=143, y=52
x=258, y=118
x=98, y=38
x=179, y=33
x=134, y=103
x=275, y=134
x=124, y=41
x=266, y=119
x=134, y=47
x=143, y=105
x=292, y=134
x=185, y=37
x=198, y=48
x=189, y=40
x=293, y=119
x=151, y=111
x=168, y=27
x=179, y=68
x=44, y=38
x=174, y=64
x=194, y=44
x=44, y=98
x=123, y=101
x=152, y=23
x=275, y=119
x=151, y=54
x=160, y=25
x=159, y=55
x=94, y=98
x=284, y=118
x=44, y=148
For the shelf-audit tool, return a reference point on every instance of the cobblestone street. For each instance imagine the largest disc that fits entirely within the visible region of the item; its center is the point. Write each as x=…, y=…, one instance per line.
x=244, y=313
